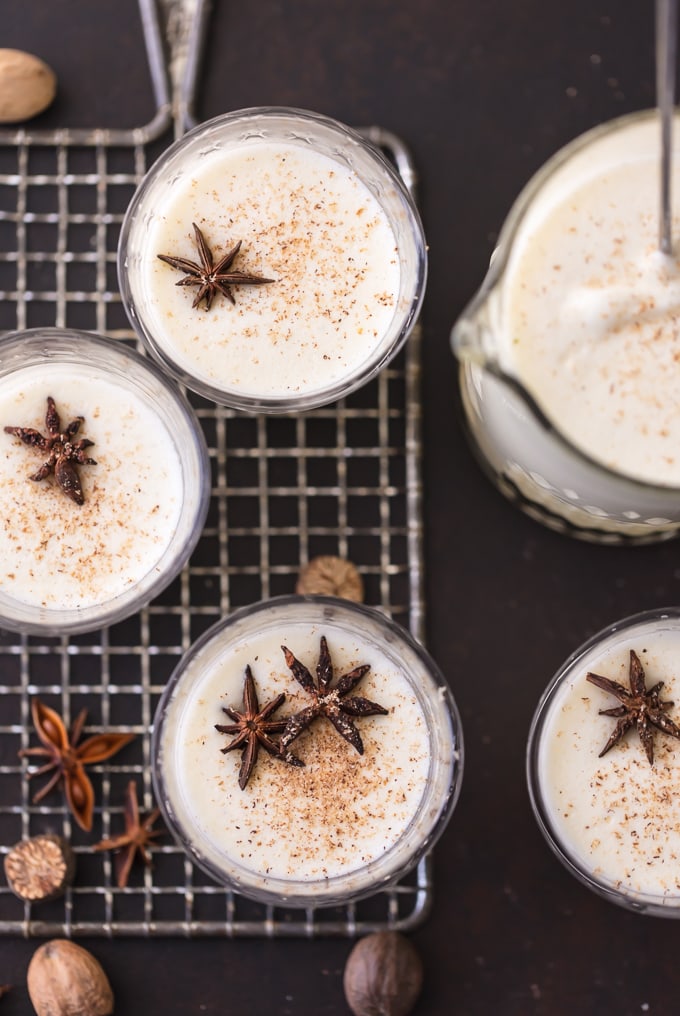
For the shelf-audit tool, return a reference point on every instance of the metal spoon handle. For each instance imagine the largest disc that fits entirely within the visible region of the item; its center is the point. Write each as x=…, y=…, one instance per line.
x=666, y=47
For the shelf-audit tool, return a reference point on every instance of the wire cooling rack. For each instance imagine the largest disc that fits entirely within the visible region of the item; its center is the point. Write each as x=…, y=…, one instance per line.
x=341, y=480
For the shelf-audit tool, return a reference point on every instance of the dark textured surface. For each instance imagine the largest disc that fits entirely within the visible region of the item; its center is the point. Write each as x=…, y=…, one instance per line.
x=483, y=92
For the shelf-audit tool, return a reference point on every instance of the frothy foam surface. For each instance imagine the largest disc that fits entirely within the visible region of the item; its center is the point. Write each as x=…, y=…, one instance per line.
x=305, y=221
x=62, y=555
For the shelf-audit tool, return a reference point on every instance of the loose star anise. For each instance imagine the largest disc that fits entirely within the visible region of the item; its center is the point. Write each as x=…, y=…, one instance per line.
x=68, y=759
x=329, y=702
x=640, y=707
x=136, y=838
x=62, y=451
x=252, y=728
x=209, y=277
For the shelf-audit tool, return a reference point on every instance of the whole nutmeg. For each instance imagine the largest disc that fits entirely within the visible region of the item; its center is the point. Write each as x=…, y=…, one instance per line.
x=383, y=975
x=329, y=575
x=40, y=868
x=27, y=85
x=66, y=980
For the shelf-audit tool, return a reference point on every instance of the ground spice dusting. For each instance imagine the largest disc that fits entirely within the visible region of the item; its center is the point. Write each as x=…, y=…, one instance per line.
x=335, y=794
x=67, y=549
x=96, y=549
x=644, y=806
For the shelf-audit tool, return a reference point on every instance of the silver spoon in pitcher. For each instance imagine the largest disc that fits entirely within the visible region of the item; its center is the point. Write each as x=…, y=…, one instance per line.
x=666, y=47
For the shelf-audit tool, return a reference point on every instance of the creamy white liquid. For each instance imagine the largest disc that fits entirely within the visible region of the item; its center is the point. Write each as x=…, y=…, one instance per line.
x=61, y=555
x=616, y=816
x=592, y=310
x=340, y=812
x=305, y=221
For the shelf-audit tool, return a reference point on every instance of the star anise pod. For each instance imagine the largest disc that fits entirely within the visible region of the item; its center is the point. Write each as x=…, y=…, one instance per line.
x=329, y=702
x=135, y=840
x=68, y=758
x=63, y=453
x=252, y=728
x=640, y=706
x=211, y=278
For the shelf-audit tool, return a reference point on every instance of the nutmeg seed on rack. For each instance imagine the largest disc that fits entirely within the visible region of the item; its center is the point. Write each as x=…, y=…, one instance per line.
x=40, y=868
x=27, y=85
x=328, y=575
x=66, y=980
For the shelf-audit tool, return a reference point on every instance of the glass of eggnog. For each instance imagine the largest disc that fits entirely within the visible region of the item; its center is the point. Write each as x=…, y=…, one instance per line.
x=307, y=751
x=603, y=763
x=570, y=352
x=104, y=481
x=272, y=260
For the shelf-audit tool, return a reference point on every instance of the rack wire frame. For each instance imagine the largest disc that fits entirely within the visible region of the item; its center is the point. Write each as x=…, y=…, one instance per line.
x=340, y=480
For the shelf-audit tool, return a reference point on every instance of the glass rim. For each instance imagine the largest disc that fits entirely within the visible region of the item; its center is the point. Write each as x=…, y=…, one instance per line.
x=25, y=348
x=653, y=904
x=322, y=891
x=404, y=317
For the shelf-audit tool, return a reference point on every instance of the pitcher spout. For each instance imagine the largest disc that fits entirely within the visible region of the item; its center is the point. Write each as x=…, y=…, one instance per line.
x=474, y=339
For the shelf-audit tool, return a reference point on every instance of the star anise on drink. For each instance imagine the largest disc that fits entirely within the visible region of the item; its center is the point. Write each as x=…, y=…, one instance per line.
x=135, y=840
x=329, y=702
x=63, y=453
x=211, y=278
x=252, y=728
x=640, y=707
x=67, y=758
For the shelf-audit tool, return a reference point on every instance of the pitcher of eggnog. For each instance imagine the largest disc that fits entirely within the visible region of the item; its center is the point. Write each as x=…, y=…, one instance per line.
x=570, y=352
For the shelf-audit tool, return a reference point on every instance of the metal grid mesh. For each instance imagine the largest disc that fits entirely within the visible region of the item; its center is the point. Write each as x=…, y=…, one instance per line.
x=342, y=480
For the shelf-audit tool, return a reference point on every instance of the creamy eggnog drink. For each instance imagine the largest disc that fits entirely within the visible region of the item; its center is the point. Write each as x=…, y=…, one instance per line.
x=357, y=761
x=94, y=504
x=603, y=784
x=272, y=260
x=582, y=311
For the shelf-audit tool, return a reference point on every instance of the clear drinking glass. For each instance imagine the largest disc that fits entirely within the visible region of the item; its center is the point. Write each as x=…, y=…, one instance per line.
x=517, y=443
x=612, y=819
x=68, y=567
x=318, y=331
x=344, y=824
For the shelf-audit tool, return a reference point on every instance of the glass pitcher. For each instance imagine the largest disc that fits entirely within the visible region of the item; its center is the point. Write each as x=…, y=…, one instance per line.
x=525, y=452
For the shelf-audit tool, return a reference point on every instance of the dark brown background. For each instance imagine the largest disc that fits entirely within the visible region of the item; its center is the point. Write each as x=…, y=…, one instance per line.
x=482, y=91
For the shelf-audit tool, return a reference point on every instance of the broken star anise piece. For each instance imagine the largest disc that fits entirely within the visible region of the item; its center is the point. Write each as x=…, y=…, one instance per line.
x=252, y=728
x=67, y=758
x=63, y=453
x=211, y=278
x=329, y=702
x=640, y=707
x=135, y=840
